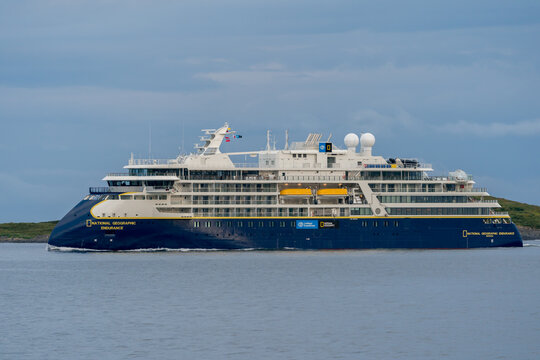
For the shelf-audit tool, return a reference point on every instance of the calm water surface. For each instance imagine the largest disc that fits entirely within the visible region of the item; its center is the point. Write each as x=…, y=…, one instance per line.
x=457, y=304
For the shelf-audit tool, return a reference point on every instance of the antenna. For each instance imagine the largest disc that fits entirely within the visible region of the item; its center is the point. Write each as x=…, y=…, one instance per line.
x=182, y=136
x=286, y=139
x=267, y=140
x=150, y=140
x=329, y=138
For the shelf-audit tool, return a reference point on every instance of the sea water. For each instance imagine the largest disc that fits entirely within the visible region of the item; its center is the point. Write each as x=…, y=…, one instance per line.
x=427, y=304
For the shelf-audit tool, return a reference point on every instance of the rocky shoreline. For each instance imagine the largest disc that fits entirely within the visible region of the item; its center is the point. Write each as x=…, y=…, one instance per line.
x=37, y=239
x=527, y=233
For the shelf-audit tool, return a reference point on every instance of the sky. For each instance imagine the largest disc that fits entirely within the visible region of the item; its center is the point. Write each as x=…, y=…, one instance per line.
x=453, y=83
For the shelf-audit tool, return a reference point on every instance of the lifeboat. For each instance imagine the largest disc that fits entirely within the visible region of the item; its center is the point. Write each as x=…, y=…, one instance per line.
x=295, y=192
x=332, y=192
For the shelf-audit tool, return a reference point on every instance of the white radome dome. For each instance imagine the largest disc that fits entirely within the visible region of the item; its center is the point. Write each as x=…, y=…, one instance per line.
x=367, y=140
x=351, y=140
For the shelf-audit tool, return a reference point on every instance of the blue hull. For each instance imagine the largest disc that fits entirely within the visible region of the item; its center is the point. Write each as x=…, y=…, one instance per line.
x=78, y=229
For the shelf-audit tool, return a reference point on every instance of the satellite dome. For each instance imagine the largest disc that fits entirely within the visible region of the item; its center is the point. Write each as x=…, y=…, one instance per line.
x=351, y=140
x=459, y=174
x=367, y=140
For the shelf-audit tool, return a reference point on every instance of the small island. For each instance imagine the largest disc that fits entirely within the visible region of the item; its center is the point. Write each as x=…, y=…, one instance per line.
x=525, y=216
x=26, y=232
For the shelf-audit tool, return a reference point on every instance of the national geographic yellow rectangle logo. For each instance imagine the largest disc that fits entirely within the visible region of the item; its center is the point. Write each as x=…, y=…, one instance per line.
x=487, y=233
x=328, y=224
x=90, y=223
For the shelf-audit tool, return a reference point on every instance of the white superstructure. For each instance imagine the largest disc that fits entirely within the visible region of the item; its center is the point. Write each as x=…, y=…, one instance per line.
x=306, y=179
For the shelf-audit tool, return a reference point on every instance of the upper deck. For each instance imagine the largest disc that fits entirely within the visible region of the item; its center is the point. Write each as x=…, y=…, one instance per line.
x=309, y=178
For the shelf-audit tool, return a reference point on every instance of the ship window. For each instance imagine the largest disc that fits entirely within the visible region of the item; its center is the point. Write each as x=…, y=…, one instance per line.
x=375, y=224
x=293, y=155
x=229, y=223
x=250, y=223
x=293, y=224
x=396, y=223
x=261, y=224
x=208, y=224
x=218, y=223
x=386, y=223
x=282, y=224
x=271, y=224
x=240, y=223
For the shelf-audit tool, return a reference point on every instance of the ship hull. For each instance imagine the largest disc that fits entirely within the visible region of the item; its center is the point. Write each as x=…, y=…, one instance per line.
x=80, y=230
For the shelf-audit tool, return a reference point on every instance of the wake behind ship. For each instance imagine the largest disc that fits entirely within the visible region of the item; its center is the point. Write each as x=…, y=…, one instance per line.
x=309, y=195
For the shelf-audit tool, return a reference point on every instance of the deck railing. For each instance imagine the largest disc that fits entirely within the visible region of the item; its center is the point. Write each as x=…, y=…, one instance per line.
x=233, y=202
x=153, y=161
x=99, y=190
x=446, y=178
x=145, y=175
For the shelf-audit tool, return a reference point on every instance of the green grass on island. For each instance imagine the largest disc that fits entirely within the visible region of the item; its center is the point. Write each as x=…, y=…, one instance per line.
x=522, y=214
x=26, y=230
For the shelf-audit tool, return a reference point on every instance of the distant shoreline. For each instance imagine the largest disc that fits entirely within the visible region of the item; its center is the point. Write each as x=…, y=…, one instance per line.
x=37, y=239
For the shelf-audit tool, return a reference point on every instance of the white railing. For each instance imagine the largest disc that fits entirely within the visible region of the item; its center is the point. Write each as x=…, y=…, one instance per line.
x=446, y=178
x=315, y=178
x=249, y=165
x=152, y=161
x=473, y=190
x=158, y=188
x=483, y=190
x=233, y=202
x=144, y=175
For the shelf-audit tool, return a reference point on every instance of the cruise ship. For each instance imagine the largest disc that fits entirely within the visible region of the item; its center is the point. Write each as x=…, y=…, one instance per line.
x=311, y=194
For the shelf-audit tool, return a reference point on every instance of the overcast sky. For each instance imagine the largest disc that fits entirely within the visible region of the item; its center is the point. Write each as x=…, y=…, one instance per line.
x=453, y=83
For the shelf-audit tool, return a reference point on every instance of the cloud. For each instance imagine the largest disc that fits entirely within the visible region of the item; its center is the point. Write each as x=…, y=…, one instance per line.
x=271, y=66
x=204, y=60
x=520, y=128
x=285, y=48
x=389, y=123
x=81, y=80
